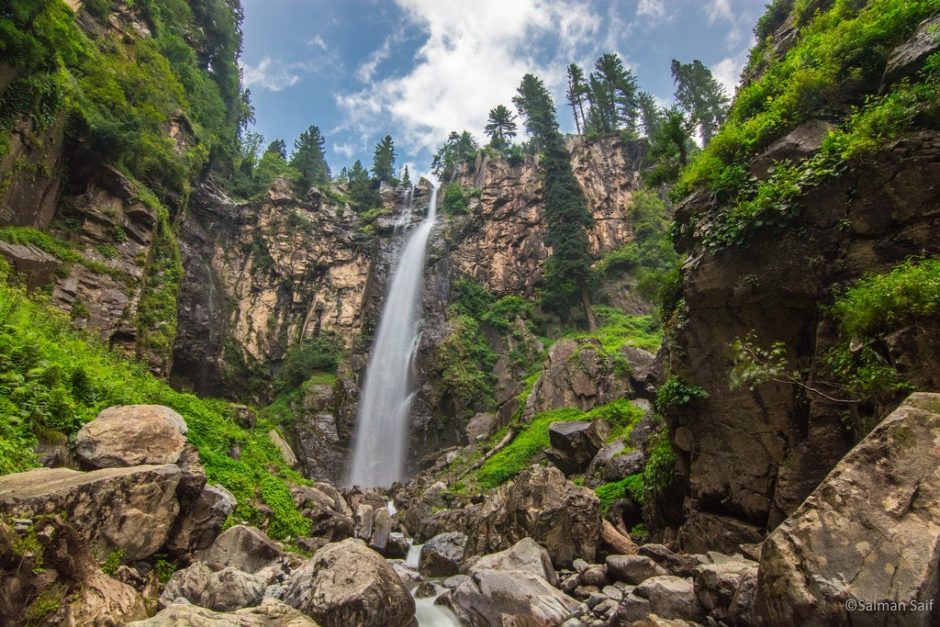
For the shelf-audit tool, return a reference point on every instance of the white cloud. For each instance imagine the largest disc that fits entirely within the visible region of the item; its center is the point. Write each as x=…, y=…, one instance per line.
x=270, y=74
x=473, y=59
x=728, y=71
x=653, y=9
x=719, y=10
x=367, y=69
x=317, y=42
x=348, y=150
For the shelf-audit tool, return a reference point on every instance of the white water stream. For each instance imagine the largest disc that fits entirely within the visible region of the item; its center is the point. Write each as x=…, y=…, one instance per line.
x=382, y=426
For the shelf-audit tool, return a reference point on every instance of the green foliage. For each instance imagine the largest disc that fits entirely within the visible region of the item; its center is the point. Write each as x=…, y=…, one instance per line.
x=455, y=200
x=631, y=485
x=157, y=312
x=113, y=562
x=458, y=151
x=53, y=379
x=752, y=365
x=463, y=366
x=612, y=93
x=309, y=160
x=500, y=127
x=533, y=439
x=879, y=302
x=617, y=329
x=847, y=44
x=363, y=191
x=287, y=521
x=660, y=469
x=702, y=97
x=319, y=354
x=383, y=161
x=674, y=394
x=164, y=569
x=48, y=601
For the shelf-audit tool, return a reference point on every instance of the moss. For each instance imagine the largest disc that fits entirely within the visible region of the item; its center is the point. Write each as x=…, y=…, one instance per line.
x=610, y=492
x=287, y=521
x=48, y=601
x=617, y=330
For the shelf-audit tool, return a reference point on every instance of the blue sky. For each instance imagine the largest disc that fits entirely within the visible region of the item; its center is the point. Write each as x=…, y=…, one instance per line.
x=418, y=69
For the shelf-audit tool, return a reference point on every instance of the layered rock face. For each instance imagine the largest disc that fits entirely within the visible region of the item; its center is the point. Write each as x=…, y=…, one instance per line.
x=501, y=244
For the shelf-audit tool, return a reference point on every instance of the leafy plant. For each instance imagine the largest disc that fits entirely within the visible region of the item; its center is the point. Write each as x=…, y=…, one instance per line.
x=610, y=492
x=674, y=394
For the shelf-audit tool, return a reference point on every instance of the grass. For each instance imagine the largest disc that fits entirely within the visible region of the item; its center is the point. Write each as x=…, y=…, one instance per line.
x=618, y=329
x=610, y=492
x=53, y=379
x=533, y=438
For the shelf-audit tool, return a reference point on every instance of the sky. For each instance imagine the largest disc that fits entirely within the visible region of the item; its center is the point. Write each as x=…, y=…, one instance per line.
x=418, y=69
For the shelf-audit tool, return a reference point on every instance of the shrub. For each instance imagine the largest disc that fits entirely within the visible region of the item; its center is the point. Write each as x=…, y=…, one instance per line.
x=675, y=394
x=455, y=200
x=319, y=354
x=610, y=492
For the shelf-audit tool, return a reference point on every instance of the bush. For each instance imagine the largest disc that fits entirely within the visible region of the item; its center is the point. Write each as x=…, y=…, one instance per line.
x=319, y=354
x=610, y=492
x=455, y=200
x=674, y=394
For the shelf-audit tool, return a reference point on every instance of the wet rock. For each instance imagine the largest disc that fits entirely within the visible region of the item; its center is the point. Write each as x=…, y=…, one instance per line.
x=381, y=528
x=633, y=569
x=442, y=555
x=271, y=613
x=397, y=545
x=575, y=443
x=131, y=509
x=877, y=507
x=500, y=597
x=526, y=554
x=132, y=435
x=245, y=548
x=543, y=505
x=425, y=589
x=347, y=583
x=200, y=522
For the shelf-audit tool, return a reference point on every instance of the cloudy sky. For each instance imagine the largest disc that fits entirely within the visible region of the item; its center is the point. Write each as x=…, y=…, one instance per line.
x=418, y=69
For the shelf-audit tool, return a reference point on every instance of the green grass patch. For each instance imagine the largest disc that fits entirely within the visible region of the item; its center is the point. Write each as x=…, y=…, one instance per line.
x=60, y=249
x=610, y=492
x=618, y=329
x=54, y=379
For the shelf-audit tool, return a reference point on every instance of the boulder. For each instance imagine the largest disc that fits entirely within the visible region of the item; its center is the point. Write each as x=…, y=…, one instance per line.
x=271, y=613
x=909, y=57
x=287, y=453
x=192, y=475
x=612, y=538
x=245, y=548
x=480, y=426
x=509, y=597
x=381, y=528
x=131, y=509
x=36, y=266
x=799, y=143
x=670, y=597
x=200, y=522
x=543, y=505
x=644, y=369
x=223, y=591
x=526, y=554
x=876, y=510
x=131, y=435
x=48, y=576
x=347, y=583
x=575, y=443
x=442, y=555
x=677, y=564
x=716, y=584
x=633, y=569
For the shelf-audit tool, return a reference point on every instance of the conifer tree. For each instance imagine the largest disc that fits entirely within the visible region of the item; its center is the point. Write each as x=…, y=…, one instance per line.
x=459, y=149
x=500, y=127
x=700, y=96
x=613, y=90
x=309, y=159
x=362, y=189
x=277, y=146
x=406, y=178
x=383, y=161
x=578, y=95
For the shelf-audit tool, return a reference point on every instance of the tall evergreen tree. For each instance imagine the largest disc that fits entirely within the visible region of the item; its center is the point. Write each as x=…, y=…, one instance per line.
x=406, y=178
x=459, y=149
x=309, y=159
x=578, y=95
x=568, y=270
x=362, y=189
x=383, y=161
x=277, y=146
x=651, y=116
x=613, y=90
x=500, y=127
x=700, y=96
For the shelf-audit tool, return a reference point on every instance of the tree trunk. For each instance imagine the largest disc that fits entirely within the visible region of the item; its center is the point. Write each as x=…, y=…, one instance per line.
x=588, y=313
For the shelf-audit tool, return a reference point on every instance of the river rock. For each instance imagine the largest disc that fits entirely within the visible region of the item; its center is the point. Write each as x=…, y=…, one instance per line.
x=245, y=548
x=633, y=569
x=223, y=591
x=347, y=583
x=132, y=509
x=575, y=443
x=716, y=584
x=200, y=522
x=670, y=597
x=132, y=435
x=526, y=554
x=271, y=613
x=542, y=504
x=877, y=509
x=509, y=597
x=442, y=555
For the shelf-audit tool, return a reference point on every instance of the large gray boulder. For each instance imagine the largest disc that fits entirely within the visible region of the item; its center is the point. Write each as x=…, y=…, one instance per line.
x=223, y=591
x=868, y=533
x=575, y=443
x=347, y=583
x=132, y=435
x=442, y=555
x=200, y=522
x=543, y=505
x=131, y=509
x=670, y=597
x=246, y=548
x=271, y=613
x=526, y=554
x=492, y=598
x=633, y=569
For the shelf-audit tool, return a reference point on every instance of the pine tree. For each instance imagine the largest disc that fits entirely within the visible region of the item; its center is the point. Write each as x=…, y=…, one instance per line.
x=700, y=96
x=459, y=149
x=362, y=189
x=578, y=94
x=277, y=146
x=613, y=90
x=500, y=127
x=406, y=178
x=650, y=114
x=383, y=161
x=309, y=159
x=568, y=270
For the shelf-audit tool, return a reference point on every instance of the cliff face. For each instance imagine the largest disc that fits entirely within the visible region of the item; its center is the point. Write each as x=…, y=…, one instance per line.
x=500, y=244
x=748, y=457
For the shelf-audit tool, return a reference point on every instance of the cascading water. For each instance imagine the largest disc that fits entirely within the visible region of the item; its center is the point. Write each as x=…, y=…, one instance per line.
x=385, y=403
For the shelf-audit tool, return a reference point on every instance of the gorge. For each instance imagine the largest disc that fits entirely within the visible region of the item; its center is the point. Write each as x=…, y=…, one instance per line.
x=677, y=366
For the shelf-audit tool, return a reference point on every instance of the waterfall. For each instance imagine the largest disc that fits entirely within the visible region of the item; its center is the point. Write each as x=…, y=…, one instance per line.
x=382, y=425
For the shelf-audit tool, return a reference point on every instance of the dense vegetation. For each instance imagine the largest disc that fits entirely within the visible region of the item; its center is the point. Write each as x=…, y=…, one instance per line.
x=53, y=380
